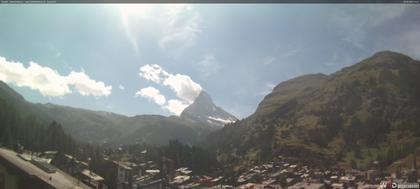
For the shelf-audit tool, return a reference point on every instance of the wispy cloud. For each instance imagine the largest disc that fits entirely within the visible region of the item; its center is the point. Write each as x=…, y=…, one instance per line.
x=269, y=60
x=181, y=30
x=338, y=59
x=176, y=26
x=355, y=27
x=209, y=65
x=280, y=54
x=54, y=50
x=132, y=17
x=48, y=81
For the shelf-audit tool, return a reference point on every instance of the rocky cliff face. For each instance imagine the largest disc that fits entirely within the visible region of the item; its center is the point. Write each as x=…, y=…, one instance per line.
x=204, y=110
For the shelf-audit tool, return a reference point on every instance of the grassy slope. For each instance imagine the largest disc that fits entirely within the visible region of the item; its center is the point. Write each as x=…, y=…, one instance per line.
x=368, y=111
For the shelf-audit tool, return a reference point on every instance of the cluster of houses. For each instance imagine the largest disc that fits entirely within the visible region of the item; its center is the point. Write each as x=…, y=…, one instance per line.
x=134, y=173
x=185, y=178
x=146, y=174
x=282, y=172
x=290, y=173
x=78, y=169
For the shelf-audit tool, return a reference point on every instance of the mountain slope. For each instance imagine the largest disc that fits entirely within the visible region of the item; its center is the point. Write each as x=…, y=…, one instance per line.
x=368, y=111
x=204, y=110
x=20, y=126
x=114, y=129
x=20, y=104
x=86, y=125
x=158, y=130
x=195, y=123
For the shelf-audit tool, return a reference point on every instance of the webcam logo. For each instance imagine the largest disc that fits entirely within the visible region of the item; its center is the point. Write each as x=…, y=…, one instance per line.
x=391, y=185
x=388, y=185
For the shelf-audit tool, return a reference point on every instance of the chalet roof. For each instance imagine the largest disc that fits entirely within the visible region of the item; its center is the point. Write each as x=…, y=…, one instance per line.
x=122, y=165
x=307, y=185
x=153, y=171
x=92, y=175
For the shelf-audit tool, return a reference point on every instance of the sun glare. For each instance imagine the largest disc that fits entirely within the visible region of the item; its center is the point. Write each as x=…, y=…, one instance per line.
x=137, y=10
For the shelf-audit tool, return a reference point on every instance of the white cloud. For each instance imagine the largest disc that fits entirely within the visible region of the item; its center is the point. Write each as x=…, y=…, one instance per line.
x=121, y=87
x=176, y=106
x=48, y=81
x=86, y=86
x=182, y=85
x=152, y=94
x=153, y=73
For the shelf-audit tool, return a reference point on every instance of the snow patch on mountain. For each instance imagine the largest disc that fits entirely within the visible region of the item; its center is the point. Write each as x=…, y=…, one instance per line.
x=204, y=110
x=224, y=121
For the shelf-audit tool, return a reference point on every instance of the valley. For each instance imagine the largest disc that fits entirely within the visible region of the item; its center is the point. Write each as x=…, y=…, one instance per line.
x=355, y=128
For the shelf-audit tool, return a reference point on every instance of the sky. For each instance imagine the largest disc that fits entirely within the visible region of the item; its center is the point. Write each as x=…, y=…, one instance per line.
x=137, y=59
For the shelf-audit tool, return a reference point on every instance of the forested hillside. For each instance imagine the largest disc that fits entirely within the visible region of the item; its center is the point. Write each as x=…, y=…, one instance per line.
x=27, y=131
x=366, y=112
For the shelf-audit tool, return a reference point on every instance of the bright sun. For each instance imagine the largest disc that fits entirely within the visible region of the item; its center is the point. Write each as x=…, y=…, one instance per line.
x=137, y=10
